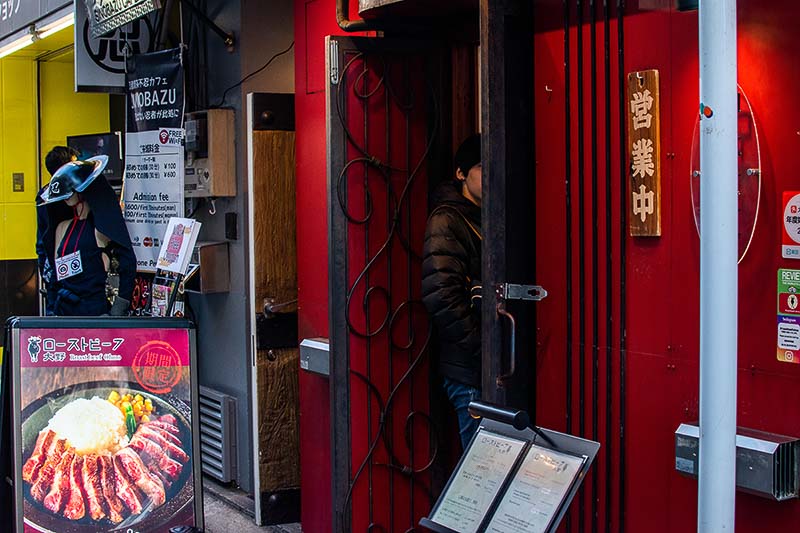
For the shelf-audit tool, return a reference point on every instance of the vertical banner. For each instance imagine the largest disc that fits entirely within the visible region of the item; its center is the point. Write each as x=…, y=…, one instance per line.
x=153, y=191
x=644, y=151
x=105, y=429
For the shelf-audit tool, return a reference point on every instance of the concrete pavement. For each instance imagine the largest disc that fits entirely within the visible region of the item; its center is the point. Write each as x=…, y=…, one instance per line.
x=228, y=512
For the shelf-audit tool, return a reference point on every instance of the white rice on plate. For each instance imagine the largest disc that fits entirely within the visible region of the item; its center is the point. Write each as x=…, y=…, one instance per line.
x=91, y=426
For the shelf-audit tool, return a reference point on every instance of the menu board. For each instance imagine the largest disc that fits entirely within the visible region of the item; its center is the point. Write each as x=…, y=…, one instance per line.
x=104, y=428
x=534, y=496
x=476, y=483
x=512, y=480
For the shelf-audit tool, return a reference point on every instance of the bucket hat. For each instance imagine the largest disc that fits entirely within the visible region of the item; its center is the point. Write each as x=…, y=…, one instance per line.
x=73, y=177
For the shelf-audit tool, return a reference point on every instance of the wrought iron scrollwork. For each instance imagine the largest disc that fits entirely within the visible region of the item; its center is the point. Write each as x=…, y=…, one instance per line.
x=400, y=320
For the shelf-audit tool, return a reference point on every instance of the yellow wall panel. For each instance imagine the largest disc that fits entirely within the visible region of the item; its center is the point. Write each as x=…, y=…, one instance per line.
x=19, y=231
x=18, y=129
x=65, y=112
x=18, y=156
x=58, y=113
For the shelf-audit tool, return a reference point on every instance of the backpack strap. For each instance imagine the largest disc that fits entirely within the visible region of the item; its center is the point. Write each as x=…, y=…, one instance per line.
x=469, y=224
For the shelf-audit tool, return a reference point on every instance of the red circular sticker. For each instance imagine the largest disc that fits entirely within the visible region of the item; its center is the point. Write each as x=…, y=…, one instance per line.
x=157, y=367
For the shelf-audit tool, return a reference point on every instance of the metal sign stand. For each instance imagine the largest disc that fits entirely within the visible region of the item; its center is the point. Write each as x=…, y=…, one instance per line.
x=506, y=453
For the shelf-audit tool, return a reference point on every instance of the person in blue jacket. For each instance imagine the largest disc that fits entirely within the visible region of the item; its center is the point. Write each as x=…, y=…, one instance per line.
x=85, y=241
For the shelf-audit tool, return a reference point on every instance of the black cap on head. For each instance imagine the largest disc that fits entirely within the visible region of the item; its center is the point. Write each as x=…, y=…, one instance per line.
x=469, y=153
x=58, y=157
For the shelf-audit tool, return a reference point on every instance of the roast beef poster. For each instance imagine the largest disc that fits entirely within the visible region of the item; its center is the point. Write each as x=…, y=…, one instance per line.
x=106, y=427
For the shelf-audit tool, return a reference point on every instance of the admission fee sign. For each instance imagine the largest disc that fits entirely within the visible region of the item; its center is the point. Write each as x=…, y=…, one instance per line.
x=153, y=191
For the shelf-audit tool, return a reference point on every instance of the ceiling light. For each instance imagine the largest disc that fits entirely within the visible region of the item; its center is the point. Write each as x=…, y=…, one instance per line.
x=18, y=44
x=56, y=26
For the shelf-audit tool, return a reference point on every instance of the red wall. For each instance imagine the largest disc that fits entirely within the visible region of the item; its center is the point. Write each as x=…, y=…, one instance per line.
x=662, y=273
x=556, y=322
x=662, y=280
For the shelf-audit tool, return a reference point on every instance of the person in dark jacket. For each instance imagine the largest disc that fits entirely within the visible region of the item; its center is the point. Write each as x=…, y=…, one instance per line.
x=451, y=273
x=55, y=159
x=83, y=241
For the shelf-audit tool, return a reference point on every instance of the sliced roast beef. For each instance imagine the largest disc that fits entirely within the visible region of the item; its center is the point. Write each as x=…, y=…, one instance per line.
x=30, y=471
x=166, y=426
x=92, y=487
x=59, y=492
x=113, y=504
x=168, y=419
x=44, y=480
x=165, y=433
x=150, y=452
x=75, y=509
x=130, y=461
x=126, y=489
x=172, y=450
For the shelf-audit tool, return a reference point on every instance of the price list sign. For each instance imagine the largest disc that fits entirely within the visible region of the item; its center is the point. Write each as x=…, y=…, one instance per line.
x=512, y=480
x=535, y=495
x=477, y=482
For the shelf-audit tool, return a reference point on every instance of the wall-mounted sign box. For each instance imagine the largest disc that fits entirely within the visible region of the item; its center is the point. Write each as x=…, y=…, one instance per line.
x=766, y=463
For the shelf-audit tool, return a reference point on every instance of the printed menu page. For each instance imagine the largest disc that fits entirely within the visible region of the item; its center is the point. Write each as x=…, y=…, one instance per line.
x=476, y=483
x=535, y=494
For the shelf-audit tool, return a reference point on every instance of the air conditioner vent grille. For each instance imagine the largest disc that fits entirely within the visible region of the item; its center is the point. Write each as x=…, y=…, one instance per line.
x=218, y=434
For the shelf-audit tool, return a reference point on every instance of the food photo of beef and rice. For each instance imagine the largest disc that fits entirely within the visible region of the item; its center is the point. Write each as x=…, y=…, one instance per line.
x=106, y=460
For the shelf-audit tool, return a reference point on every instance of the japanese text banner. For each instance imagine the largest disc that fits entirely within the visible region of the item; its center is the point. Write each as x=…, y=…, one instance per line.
x=154, y=150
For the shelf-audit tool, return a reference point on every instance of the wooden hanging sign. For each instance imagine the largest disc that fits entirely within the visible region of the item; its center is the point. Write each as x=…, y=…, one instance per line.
x=644, y=153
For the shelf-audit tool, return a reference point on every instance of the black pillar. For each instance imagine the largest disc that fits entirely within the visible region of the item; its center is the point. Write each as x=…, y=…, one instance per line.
x=508, y=205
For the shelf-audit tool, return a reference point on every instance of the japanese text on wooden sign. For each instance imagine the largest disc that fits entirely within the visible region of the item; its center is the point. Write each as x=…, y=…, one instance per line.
x=644, y=152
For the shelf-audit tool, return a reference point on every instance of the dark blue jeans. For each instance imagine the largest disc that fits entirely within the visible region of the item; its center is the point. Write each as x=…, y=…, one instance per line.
x=460, y=395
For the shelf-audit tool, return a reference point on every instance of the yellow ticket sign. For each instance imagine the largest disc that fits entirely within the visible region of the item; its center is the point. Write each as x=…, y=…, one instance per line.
x=644, y=153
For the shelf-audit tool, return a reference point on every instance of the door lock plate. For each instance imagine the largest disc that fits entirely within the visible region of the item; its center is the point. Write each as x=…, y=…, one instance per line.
x=513, y=291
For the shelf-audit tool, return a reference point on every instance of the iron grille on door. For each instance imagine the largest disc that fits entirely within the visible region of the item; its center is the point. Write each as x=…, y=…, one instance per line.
x=383, y=107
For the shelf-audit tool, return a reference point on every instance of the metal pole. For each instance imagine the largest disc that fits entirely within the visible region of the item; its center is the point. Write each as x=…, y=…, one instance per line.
x=718, y=266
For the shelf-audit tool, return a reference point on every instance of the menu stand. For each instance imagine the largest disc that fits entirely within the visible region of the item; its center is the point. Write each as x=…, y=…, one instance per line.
x=512, y=480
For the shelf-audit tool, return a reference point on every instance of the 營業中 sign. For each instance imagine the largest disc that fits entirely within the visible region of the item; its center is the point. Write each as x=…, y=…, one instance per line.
x=644, y=153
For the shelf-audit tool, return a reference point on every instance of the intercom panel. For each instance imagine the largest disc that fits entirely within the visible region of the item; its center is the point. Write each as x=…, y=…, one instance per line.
x=210, y=169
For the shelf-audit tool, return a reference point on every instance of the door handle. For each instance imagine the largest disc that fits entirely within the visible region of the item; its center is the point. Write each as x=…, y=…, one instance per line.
x=271, y=308
x=502, y=379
